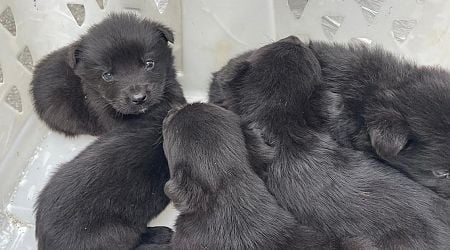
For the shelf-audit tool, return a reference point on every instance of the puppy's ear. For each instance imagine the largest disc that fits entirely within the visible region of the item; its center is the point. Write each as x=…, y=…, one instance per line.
x=171, y=190
x=176, y=193
x=388, y=132
x=233, y=71
x=166, y=33
x=261, y=150
x=228, y=74
x=185, y=192
x=74, y=54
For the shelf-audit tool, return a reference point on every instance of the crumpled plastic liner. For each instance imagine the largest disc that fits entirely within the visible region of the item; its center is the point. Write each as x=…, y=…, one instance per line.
x=14, y=235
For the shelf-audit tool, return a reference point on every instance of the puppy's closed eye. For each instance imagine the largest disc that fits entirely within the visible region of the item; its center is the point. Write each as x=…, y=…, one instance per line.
x=409, y=144
x=441, y=173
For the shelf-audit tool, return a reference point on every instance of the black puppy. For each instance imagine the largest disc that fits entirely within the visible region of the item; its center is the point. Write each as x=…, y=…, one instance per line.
x=388, y=107
x=222, y=203
x=374, y=102
x=104, y=197
x=118, y=73
x=336, y=190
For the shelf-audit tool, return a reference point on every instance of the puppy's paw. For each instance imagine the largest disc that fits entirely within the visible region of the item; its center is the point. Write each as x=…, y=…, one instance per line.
x=156, y=235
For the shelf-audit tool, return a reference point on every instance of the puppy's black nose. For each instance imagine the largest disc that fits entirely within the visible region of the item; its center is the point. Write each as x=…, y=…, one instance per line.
x=138, y=98
x=291, y=39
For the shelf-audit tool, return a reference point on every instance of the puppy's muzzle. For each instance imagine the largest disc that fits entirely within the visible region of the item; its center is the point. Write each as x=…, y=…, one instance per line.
x=138, y=94
x=138, y=98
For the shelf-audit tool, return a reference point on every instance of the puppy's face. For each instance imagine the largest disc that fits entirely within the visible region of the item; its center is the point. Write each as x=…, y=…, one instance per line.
x=412, y=142
x=126, y=61
x=410, y=128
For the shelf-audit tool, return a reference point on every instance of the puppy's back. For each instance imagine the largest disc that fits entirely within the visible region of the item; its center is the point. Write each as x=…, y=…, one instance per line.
x=103, y=198
x=224, y=204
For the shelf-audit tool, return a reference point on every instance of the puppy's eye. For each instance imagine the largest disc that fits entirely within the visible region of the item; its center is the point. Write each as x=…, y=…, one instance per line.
x=149, y=64
x=441, y=173
x=409, y=144
x=107, y=76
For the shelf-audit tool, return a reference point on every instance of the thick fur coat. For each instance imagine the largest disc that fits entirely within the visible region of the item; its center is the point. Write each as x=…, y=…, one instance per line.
x=338, y=191
x=370, y=100
x=223, y=204
x=105, y=196
x=390, y=108
x=117, y=81
x=116, y=74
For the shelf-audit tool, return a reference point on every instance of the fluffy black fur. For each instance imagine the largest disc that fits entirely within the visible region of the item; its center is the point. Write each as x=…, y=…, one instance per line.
x=223, y=204
x=377, y=103
x=336, y=190
x=104, y=197
x=156, y=235
x=115, y=74
x=389, y=107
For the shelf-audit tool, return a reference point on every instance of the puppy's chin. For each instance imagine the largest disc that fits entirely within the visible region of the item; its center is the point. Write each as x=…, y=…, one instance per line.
x=133, y=109
x=125, y=107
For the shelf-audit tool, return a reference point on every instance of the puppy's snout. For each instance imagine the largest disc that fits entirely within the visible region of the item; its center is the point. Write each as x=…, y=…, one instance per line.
x=138, y=98
x=291, y=39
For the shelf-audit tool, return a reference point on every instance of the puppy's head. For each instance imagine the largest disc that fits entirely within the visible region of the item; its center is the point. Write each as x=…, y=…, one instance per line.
x=126, y=61
x=410, y=128
x=202, y=143
x=216, y=94
x=277, y=73
x=271, y=85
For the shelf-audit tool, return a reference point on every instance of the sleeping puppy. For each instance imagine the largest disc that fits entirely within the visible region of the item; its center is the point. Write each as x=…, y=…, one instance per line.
x=389, y=107
x=105, y=196
x=374, y=102
x=333, y=189
x=116, y=74
x=222, y=203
